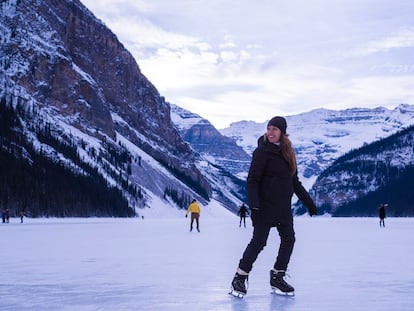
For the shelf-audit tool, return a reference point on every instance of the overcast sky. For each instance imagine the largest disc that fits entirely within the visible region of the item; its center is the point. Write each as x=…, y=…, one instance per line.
x=233, y=60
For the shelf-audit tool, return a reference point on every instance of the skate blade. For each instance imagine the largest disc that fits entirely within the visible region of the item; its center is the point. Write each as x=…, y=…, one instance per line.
x=277, y=291
x=236, y=294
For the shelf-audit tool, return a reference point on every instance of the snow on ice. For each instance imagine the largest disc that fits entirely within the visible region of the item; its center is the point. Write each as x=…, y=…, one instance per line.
x=155, y=263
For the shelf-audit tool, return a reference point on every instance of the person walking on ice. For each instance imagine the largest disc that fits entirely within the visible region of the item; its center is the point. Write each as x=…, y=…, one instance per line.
x=194, y=208
x=243, y=213
x=381, y=214
x=272, y=179
x=7, y=215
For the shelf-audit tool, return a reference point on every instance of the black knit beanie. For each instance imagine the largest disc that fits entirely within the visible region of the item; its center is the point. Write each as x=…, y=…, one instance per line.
x=279, y=122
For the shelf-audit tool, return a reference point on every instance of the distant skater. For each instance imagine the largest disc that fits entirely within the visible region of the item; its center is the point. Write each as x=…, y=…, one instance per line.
x=21, y=215
x=3, y=216
x=242, y=213
x=381, y=214
x=194, y=208
x=7, y=215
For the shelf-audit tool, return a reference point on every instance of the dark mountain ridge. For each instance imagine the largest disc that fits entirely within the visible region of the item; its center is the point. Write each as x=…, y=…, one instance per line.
x=359, y=181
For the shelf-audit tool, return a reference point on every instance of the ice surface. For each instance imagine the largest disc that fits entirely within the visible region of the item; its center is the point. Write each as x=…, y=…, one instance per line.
x=157, y=264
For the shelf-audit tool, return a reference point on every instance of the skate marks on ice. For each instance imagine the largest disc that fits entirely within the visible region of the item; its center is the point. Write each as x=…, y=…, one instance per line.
x=55, y=296
x=131, y=264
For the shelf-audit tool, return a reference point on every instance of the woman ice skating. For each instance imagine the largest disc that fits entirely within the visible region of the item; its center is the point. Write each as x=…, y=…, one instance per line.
x=194, y=208
x=271, y=182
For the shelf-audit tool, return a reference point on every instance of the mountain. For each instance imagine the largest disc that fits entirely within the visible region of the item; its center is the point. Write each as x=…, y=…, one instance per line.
x=359, y=181
x=208, y=141
x=225, y=163
x=33, y=183
x=321, y=136
x=79, y=107
x=67, y=81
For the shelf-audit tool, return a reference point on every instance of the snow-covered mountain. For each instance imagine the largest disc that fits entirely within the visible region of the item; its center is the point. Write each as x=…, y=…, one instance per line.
x=77, y=98
x=321, y=136
x=208, y=141
x=220, y=158
x=381, y=172
x=64, y=73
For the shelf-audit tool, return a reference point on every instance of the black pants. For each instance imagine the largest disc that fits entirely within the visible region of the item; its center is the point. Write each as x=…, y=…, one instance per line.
x=242, y=218
x=258, y=242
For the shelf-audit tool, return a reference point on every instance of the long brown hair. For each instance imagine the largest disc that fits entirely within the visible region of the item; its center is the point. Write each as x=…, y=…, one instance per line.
x=288, y=152
x=286, y=148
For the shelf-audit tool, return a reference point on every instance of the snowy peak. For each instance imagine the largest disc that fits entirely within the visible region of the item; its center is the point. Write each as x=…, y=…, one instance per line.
x=184, y=119
x=320, y=136
x=207, y=140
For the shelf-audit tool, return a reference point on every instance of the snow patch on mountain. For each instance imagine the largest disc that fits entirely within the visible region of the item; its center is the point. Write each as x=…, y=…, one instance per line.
x=320, y=136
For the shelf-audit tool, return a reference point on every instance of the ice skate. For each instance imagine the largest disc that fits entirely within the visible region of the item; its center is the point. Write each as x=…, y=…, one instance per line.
x=279, y=285
x=239, y=285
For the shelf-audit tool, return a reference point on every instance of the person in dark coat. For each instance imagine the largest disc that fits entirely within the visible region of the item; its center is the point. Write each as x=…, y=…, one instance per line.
x=243, y=213
x=381, y=212
x=271, y=182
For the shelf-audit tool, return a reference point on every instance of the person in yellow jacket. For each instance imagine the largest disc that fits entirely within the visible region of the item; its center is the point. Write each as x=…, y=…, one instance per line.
x=194, y=208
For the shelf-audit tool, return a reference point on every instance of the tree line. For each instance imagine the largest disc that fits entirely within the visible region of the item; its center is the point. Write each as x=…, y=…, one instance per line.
x=41, y=186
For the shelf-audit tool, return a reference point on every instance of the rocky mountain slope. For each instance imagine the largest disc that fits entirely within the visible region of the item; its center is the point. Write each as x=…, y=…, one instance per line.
x=69, y=73
x=208, y=141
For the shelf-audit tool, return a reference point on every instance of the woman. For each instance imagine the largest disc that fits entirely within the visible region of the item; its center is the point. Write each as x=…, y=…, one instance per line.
x=271, y=182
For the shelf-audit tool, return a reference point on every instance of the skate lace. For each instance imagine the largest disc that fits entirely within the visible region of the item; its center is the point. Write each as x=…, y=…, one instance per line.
x=244, y=281
x=285, y=286
x=281, y=279
x=286, y=274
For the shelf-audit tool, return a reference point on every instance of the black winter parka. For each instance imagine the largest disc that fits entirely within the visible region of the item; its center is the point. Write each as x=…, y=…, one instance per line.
x=270, y=185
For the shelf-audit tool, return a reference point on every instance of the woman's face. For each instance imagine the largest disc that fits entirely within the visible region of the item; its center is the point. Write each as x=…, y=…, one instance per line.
x=273, y=134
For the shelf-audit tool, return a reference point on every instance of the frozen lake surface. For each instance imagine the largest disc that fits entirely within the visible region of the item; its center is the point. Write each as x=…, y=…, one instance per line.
x=157, y=264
